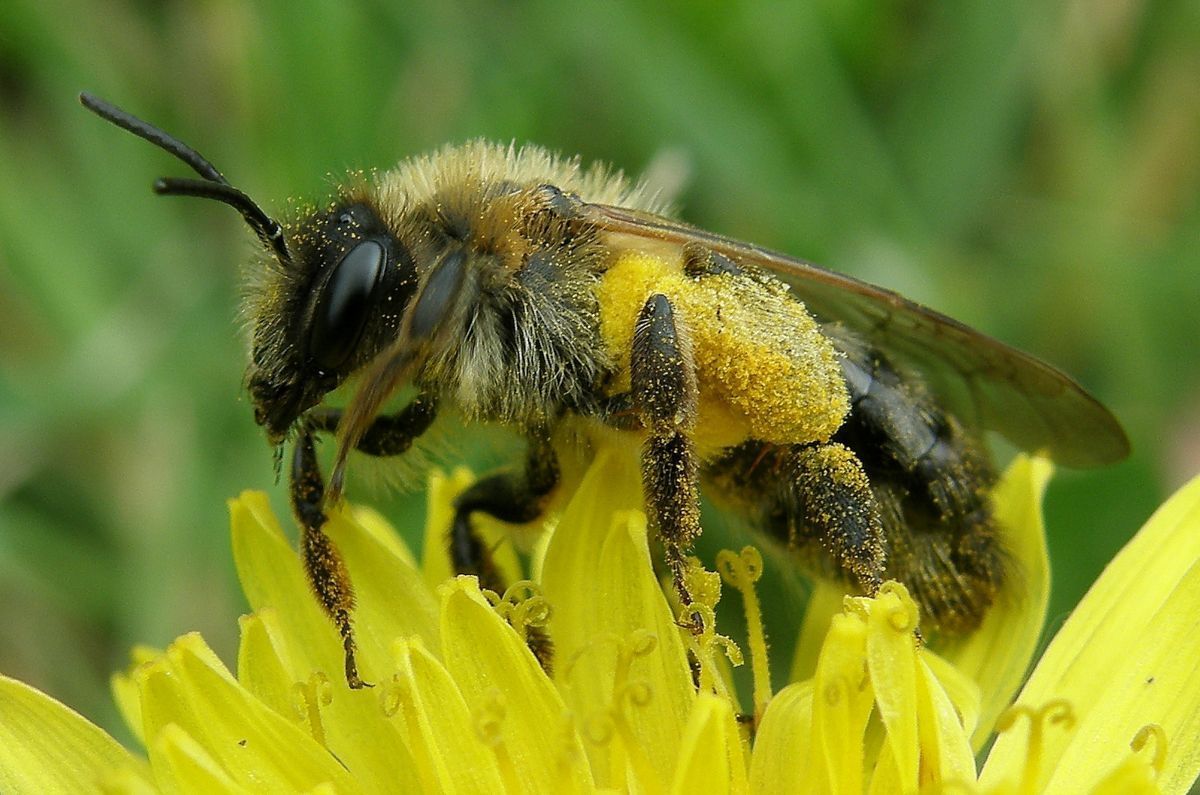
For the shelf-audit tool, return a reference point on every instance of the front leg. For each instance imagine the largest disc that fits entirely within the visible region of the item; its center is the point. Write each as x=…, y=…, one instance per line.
x=389, y=434
x=327, y=574
x=664, y=395
x=322, y=562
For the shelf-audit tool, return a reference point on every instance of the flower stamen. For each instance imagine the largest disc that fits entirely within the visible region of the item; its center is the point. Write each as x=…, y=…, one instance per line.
x=307, y=699
x=489, y=726
x=906, y=616
x=1055, y=711
x=702, y=614
x=742, y=571
x=1152, y=731
x=522, y=606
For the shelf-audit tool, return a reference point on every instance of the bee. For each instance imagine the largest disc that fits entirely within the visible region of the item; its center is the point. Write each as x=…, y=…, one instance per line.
x=512, y=286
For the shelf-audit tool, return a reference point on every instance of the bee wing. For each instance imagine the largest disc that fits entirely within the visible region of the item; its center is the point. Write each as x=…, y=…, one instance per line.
x=985, y=382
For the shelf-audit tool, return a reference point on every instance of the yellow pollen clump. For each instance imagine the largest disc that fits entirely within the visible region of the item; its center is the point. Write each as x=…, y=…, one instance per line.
x=765, y=369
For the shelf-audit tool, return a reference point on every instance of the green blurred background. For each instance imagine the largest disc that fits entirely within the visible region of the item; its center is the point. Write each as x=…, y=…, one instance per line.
x=1032, y=168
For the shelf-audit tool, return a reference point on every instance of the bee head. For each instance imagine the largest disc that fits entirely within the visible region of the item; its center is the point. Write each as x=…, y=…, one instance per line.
x=327, y=312
x=330, y=295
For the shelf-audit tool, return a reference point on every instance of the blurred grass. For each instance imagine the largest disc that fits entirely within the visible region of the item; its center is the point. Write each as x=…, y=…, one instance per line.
x=1031, y=168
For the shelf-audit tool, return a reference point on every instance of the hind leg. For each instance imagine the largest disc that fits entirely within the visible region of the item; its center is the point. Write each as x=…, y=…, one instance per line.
x=817, y=498
x=831, y=503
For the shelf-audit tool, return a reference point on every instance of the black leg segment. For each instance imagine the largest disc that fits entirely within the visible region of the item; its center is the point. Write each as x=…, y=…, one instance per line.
x=664, y=392
x=388, y=435
x=514, y=497
x=322, y=562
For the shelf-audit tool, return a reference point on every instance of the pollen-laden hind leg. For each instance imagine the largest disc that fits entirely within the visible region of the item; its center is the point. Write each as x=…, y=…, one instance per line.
x=815, y=497
x=932, y=482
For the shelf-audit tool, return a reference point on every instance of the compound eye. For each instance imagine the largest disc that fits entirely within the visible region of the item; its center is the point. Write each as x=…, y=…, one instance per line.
x=344, y=305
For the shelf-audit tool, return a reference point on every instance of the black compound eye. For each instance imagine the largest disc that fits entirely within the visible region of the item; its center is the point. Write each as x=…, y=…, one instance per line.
x=344, y=305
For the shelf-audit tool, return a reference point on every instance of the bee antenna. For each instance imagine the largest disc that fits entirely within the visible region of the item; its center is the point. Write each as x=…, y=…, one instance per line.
x=212, y=186
x=266, y=227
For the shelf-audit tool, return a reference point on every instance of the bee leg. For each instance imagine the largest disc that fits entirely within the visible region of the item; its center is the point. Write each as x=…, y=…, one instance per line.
x=322, y=562
x=828, y=499
x=664, y=392
x=388, y=435
x=516, y=498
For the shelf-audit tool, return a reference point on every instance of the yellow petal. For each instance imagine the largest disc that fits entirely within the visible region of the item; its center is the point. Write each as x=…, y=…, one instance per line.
x=962, y=691
x=254, y=745
x=824, y=602
x=392, y=599
x=441, y=734
x=945, y=749
x=130, y=781
x=885, y=777
x=350, y=724
x=125, y=690
x=1131, y=778
x=47, y=747
x=608, y=608
x=507, y=691
x=182, y=765
x=381, y=530
x=997, y=655
x=1125, y=659
x=272, y=577
x=778, y=765
x=892, y=663
x=710, y=755
x=264, y=663
x=841, y=704
x=1135, y=774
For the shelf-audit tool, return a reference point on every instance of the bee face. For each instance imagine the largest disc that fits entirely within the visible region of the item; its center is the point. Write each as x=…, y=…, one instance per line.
x=319, y=317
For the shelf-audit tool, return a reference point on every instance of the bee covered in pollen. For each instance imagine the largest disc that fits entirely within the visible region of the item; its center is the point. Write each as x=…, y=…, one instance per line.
x=508, y=285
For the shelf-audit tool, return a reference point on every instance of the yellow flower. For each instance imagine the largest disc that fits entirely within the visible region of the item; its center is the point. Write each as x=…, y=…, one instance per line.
x=462, y=705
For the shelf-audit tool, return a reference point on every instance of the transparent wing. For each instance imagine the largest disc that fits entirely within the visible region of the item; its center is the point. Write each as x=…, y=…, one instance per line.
x=983, y=381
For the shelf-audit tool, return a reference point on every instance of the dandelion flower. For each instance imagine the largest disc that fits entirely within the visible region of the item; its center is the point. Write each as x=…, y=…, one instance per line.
x=633, y=702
